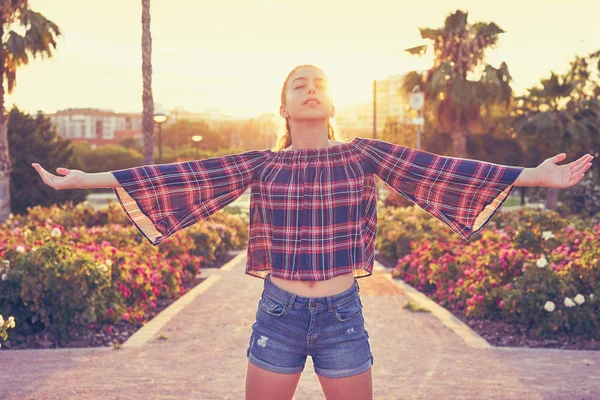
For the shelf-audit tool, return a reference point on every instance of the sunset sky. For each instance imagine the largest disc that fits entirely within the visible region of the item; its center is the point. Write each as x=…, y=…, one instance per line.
x=234, y=55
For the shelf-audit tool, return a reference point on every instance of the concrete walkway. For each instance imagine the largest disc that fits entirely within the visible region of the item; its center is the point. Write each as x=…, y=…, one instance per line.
x=204, y=356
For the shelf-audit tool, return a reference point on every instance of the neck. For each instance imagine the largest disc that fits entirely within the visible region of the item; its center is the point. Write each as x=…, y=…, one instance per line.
x=309, y=134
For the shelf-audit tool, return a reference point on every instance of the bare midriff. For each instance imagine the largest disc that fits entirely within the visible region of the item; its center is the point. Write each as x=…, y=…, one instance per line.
x=324, y=288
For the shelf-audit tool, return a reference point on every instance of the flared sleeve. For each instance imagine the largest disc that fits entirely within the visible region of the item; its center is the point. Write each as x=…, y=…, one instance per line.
x=462, y=193
x=162, y=199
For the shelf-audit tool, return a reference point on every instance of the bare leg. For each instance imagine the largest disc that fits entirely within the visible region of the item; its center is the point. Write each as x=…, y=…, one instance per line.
x=355, y=387
x=266, y=385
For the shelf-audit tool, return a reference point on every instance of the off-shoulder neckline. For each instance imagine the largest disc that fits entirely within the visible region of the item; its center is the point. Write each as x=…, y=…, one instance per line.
x=326, y=151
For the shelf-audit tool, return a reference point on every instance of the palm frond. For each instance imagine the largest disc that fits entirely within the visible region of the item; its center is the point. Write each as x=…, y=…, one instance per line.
x=428, y=33
x=456, y=22
x=418, y=50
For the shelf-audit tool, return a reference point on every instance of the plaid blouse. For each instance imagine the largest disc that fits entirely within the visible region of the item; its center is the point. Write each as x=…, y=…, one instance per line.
x=313, y=212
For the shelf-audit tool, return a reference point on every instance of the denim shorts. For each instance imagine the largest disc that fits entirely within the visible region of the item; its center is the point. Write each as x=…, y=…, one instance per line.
x=330, y=329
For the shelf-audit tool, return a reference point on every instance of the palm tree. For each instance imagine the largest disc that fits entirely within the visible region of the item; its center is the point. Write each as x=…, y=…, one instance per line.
x=562, y=114
x=457, y=100
x=39, y=39
x=147, y=99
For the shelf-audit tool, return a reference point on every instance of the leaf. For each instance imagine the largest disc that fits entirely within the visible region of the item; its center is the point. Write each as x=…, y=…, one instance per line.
x=456, y=22
x=428, y=33
x=488, y=30
x=418, y=50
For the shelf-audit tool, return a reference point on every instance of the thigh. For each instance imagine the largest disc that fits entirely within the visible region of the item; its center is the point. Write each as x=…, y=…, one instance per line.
x=262, y=384
x=355, y=387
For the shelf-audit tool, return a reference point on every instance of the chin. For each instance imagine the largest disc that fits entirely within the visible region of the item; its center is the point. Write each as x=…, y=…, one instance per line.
x=313, y=114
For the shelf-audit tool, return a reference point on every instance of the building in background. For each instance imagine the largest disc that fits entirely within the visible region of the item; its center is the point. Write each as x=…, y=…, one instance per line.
x=101, y=126
x=96, y=126
x=357, y=120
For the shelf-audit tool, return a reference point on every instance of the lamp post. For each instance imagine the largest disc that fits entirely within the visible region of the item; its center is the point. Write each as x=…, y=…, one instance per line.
x=197, y=139
x=160, y=119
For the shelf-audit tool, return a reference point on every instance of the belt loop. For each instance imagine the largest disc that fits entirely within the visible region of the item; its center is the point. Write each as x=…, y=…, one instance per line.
x=356, y=283
x=291, y=300
x=329, y=304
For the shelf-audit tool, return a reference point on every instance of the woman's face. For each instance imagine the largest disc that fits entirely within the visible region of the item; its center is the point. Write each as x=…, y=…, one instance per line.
x=304, y=84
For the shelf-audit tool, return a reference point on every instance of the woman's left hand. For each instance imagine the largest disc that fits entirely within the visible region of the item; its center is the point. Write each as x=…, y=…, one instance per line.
x=563, y=176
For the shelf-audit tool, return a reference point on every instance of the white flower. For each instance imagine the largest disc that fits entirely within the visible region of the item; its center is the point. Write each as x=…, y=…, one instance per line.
x=55, y=232
x=27, y=233
x=547, y=235
x=569, y=302
x=102, y=267
x=542, y=262
x=4, y=277
x=549, y=306
x=11, y=322
x=34, y=248
x=579, y=299
x=20, y=249
x=591, y=296
x=1, y=320
x=10, y=216
x=108, y=262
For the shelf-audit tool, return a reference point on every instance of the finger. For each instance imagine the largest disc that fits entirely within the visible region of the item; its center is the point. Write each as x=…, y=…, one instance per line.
x=46, y=176
x=581, y=168
x=578, y=163
x=63, y=171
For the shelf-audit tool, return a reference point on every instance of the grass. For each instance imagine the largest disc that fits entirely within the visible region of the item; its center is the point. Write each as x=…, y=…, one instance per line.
x=414, y=307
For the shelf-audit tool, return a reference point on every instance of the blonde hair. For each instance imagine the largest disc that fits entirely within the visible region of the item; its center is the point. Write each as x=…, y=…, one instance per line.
x=285, y=138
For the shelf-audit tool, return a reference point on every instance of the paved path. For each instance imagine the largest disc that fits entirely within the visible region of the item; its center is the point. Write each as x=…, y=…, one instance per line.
x=204, y=357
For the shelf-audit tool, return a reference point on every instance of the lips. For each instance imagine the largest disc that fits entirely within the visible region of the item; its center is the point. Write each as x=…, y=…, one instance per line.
x=312, y=99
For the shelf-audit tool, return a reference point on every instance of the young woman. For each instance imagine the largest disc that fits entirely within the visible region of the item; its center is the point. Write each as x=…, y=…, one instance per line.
x=313, y=220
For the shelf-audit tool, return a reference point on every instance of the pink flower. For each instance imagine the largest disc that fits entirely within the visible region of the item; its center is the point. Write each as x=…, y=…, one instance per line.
x=111, y=312
x=126, y=316
x=501, y=304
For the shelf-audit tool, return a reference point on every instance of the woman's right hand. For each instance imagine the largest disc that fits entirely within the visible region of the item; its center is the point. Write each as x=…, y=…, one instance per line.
x=72, y=179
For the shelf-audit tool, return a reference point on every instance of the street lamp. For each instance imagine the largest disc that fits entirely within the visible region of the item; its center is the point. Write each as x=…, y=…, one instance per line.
x=197, y=139
x=160, y=119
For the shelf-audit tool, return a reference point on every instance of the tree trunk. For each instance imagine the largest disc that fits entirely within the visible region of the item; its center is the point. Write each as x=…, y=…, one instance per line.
x=147, y=99
x=551, y=198
x=522, y=189
x=5, y=163
x=459, y=143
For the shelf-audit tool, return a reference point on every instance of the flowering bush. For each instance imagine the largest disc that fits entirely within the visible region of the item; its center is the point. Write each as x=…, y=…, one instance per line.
x=397, y=228
x=65, y=279
x=537, y=272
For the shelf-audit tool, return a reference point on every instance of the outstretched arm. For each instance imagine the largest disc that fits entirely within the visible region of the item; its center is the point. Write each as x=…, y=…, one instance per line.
x=548, y=174
x=76, y=179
